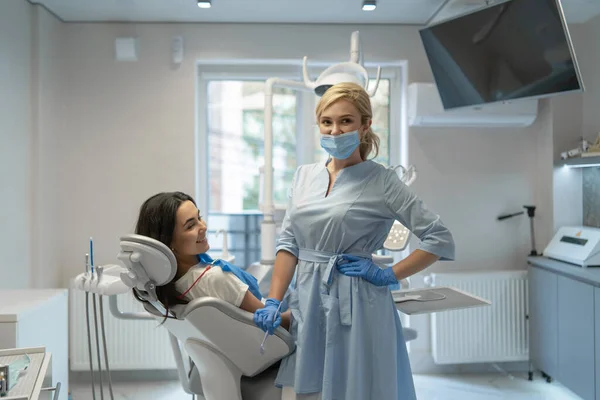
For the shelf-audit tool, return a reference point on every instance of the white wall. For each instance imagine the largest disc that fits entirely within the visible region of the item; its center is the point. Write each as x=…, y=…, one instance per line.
x=15, y=143
x=470, y=177
x=50, y=114
x=30, y=109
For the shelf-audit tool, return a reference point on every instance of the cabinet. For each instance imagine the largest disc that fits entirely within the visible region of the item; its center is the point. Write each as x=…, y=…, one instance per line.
x=543, y=320
x=564, y=324
x=38, y=318
x=597, y=313
x=576, y=357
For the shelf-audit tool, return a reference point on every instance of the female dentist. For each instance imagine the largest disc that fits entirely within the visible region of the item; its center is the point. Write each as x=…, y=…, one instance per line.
x=348, y=333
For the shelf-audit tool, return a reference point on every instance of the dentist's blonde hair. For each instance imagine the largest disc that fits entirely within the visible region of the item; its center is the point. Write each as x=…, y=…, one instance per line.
x=355, y=94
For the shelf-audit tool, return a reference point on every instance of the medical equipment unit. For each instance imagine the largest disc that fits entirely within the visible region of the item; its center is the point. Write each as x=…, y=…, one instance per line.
x=579, y=245
x=93, y=284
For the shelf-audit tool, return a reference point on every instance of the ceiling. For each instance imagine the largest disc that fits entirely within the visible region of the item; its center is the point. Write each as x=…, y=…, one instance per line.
x=415, y=12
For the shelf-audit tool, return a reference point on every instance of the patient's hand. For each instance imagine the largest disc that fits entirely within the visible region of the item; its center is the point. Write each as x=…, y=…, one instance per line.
x=250, y=303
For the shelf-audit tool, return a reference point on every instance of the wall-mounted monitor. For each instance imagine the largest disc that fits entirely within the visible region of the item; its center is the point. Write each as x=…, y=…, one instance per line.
x=511, y=50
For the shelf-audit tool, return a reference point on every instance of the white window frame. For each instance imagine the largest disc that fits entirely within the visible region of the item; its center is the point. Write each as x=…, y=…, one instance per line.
x=396, y=72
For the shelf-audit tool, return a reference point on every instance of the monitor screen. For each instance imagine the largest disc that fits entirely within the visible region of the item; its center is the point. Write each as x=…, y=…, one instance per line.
x=512, y=50
x=573, y=240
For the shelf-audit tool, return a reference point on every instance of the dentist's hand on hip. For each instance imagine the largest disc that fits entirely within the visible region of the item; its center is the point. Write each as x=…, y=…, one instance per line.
x=268, y=318
x=366, y=269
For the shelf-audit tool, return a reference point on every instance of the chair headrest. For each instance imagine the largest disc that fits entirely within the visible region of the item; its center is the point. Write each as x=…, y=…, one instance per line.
x=149, y=263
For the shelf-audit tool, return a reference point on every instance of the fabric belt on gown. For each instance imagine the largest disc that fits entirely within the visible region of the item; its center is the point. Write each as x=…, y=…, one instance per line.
x=344, y=284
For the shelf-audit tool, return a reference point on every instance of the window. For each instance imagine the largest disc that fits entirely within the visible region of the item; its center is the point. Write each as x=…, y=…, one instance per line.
x=236, y=143
x=235, y=138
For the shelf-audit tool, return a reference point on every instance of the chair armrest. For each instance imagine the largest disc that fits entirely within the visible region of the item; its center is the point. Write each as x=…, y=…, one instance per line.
x=182, y=311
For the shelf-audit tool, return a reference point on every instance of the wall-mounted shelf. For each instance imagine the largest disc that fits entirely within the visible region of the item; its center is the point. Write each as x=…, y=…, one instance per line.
x=580, y=162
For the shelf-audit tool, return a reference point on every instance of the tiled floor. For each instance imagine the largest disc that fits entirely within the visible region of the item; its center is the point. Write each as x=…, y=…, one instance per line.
x=488, y=387
x=429, y=387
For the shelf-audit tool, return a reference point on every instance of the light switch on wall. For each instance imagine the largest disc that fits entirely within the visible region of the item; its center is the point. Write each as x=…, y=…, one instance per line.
x=177, y=49
x=126, y=49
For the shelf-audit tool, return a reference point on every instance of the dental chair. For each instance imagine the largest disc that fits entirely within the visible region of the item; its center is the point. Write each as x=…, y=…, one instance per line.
x=221, y=340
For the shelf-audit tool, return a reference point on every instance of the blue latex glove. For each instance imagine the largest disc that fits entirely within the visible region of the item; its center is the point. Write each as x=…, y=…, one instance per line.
x=366, y=269
x=268, y=318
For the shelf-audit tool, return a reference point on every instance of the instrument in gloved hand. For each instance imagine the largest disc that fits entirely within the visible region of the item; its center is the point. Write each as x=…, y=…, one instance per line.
x=268, y=318
x=262, y=345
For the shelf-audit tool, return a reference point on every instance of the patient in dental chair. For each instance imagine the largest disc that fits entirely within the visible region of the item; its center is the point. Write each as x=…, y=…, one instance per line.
x=173, y=219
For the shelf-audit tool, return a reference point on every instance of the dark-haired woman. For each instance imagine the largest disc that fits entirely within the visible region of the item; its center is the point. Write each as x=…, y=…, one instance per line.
x=173, y=219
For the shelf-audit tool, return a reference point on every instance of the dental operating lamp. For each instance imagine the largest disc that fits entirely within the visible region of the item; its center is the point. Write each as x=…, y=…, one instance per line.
x=352, y=71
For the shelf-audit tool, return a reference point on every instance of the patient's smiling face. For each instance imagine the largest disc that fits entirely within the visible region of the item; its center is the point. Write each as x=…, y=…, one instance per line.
x=189, y=236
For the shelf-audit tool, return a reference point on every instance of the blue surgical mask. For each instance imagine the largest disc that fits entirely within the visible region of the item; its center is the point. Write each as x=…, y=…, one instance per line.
x=340, y=146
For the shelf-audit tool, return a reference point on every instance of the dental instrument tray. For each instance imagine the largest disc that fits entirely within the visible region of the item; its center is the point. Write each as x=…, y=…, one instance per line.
x=28, y=382
x=579, y=245
x=435, y=299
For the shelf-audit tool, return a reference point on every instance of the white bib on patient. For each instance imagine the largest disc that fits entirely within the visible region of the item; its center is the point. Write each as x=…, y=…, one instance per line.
x=214, y=283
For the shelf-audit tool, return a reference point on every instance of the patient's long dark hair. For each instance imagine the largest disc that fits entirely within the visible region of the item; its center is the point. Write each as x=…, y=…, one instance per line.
x=157, y=219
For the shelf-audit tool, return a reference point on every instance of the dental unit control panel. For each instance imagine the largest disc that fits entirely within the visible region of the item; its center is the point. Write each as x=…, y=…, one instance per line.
x=579, y=245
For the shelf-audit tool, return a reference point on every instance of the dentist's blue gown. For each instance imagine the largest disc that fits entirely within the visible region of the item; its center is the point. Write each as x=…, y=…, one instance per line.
x=348, y=333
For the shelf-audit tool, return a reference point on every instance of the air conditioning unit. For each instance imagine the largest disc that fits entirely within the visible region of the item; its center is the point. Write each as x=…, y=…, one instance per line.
x=425, y=109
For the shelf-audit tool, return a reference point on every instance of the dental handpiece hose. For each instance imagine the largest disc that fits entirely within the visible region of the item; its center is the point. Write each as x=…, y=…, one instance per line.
x=98, y=346
x=96, y=323
x=110, y=389
x=89, y=330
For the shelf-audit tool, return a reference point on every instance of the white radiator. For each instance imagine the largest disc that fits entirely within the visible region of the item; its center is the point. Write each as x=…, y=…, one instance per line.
x=131, y=345
x=495, y=333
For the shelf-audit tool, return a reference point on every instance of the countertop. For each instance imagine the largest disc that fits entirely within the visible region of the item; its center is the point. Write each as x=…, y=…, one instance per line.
x=15, y=304
x=590, y=275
